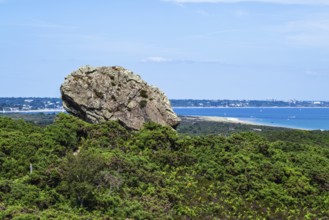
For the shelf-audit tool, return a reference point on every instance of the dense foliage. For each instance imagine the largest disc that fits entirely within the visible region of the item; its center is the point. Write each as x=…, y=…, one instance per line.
x=74, y=170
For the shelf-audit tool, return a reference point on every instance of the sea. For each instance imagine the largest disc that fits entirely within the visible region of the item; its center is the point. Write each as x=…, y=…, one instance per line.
x=300, y=118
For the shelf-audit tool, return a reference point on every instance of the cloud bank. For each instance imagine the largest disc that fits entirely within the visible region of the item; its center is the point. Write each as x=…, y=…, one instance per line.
x=296, y=2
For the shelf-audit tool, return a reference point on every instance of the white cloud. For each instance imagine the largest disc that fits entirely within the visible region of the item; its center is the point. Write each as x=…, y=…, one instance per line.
x=306, y=25
x=157, y=60
x=298, y=2
x=315, y=74
x=202, y=12
x=240, y=13
x=212, y=34
x=310, y=33
x=41, y=24
x=309, y=40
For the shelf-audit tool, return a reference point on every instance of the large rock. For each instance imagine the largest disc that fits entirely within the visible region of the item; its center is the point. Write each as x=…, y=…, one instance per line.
x=97, y=94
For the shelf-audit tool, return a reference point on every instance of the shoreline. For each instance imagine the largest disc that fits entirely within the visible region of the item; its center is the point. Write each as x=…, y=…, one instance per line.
x=221, y=119
x=233, y=120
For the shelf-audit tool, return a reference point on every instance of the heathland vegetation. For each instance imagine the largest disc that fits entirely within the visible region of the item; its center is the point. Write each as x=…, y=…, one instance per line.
x=74, y=170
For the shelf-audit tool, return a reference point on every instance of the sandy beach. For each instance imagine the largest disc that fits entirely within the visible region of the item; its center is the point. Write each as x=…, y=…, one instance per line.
x=233, y=120
x=221, y=119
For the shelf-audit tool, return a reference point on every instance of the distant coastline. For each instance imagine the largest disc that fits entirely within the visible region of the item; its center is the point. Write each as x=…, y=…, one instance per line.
x=39, y=103
x=224, y=103
x=224, y=107
x=33, y=111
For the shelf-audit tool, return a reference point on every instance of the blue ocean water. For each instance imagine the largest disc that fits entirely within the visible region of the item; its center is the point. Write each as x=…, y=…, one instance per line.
x=303, y=118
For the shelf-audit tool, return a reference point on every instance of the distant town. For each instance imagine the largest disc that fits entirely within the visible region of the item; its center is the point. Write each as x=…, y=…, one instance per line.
x=37, y=104
x=30, y=104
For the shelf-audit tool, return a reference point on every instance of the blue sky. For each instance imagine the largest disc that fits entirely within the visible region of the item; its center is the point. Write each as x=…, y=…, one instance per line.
x=207, y=49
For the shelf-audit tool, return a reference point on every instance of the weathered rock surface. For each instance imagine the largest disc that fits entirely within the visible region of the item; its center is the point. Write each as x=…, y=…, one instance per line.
x=97, y=94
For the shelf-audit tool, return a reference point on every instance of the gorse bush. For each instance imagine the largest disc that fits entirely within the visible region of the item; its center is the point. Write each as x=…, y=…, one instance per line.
x=103, y=171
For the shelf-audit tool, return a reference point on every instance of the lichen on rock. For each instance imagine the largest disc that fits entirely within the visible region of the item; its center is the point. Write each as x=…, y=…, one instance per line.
x=97, y=94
